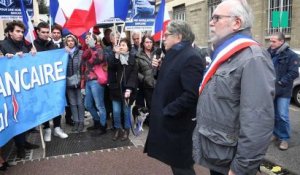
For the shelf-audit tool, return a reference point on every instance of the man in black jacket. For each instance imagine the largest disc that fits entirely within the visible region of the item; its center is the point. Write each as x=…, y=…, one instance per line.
x=56, y=35
x=174, y=100
x=44, y=43
x=286, y=64
x=14, y=45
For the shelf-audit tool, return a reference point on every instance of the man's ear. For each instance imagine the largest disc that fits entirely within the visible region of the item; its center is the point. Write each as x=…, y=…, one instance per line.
x=180, y=37
x=237, y=24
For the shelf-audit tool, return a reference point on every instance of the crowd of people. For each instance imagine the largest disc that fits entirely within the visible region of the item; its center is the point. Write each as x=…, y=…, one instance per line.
x=212, y=115
x=122, y=61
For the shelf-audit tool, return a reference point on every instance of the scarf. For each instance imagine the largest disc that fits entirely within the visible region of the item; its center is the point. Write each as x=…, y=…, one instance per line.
x=72, y=51
x=57, y=42
x=124, y=58
x=223, y=52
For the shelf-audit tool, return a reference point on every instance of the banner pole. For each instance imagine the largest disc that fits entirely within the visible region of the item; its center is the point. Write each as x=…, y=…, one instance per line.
x=122, y=30
x=42, y=140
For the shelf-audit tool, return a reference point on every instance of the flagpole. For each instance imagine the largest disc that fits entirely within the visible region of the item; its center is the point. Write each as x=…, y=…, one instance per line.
x=115, y=30
x=50, y=20
x=30, y=34
x=161, y=36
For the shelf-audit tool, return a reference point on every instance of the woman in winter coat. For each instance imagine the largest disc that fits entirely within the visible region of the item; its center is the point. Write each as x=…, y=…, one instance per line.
x=122, y=78
x=145, y=71
x=94, y=92
x=73, y=91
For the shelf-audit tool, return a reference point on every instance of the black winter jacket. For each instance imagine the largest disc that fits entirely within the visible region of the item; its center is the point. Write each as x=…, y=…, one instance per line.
x=74, y=62
x=44, y=45
x=145, y=71
x=10, y=46
x=122, y=77
x=173, y=106
x=286, y=64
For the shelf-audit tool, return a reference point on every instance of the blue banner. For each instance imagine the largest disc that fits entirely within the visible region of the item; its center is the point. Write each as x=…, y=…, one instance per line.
x=141, y=15
x=11, y=10
x=32, y=91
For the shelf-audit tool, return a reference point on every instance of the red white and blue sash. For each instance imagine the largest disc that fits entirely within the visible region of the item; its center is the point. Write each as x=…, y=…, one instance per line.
x=223, y=53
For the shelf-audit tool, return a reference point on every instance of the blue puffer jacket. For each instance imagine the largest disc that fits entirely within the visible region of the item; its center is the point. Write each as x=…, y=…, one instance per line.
x=286, y=64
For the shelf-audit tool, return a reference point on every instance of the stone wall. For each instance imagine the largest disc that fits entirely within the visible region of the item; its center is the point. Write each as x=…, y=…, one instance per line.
x=197, y=17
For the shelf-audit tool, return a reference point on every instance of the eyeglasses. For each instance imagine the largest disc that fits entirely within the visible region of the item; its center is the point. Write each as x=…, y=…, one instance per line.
x=216, y=18
x=167, y=34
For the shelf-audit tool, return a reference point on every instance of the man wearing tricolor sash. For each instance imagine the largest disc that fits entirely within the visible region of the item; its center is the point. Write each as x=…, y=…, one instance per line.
x=235, y=112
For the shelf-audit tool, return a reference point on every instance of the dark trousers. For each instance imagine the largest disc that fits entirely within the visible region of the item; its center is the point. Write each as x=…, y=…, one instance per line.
x=56, y=122
x=215, y=173
x=148, y=96
x=68, y=115
x=20, y=140
x=183, y=171
x=140, y=98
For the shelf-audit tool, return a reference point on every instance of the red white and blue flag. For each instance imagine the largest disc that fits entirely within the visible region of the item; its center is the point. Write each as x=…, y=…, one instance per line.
x=56, y=13
x=87, y=13
x=82, y=18
x=223, y=53
x=29, y=33
x=161, y=21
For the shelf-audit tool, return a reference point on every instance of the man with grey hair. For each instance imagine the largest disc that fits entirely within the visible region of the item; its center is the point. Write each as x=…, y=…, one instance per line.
x=235, y=112
x=174, y=100
x=136, y=38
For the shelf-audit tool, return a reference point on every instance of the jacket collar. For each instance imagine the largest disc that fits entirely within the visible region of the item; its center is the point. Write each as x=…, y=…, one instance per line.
x=143, y=55
x=18, y=44
x=43, y=42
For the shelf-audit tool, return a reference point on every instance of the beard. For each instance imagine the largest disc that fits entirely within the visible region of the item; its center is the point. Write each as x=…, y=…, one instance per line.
x=215, y=37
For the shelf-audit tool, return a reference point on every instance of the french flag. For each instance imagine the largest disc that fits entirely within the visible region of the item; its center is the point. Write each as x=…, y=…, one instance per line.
x=107, y=9
x=29, y=33
x=87, y=13
x=82, y=18
x=57, y=14
x=161, y=21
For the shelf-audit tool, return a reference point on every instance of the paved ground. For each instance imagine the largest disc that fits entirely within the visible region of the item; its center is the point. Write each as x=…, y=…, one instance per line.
x=121, y=161
x=289, y=159
x=131, y=160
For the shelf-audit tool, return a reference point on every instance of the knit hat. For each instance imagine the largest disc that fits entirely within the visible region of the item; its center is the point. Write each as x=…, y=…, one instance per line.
x=73, y=37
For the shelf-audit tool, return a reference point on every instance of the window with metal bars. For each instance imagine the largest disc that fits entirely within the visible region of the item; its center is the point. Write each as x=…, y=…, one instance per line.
x=179, y=12
x=279, y=16
x=212, y=5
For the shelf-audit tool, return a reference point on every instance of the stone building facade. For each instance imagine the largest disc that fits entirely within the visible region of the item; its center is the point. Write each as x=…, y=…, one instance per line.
x=198, y=12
